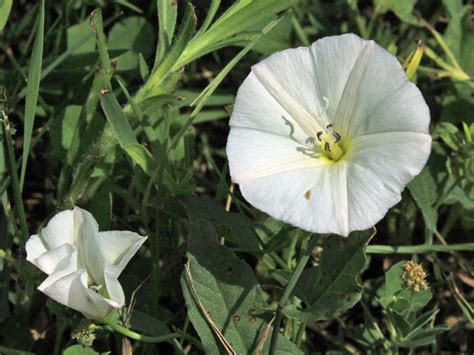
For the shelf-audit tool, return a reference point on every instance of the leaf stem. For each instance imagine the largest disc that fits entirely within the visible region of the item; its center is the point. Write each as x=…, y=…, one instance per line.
x=289, y=290
x=418, y=249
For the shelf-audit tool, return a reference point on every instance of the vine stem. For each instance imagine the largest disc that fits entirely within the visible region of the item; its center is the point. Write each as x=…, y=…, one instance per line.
x=289, y=290
x=418, y=249
x=150, y=339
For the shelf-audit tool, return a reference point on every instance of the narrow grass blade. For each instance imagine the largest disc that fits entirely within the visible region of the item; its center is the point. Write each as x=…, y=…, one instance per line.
x=5, y=8
x=209, y=90
x=117, y=120
x=98, y=29
x=210, y=16
x=167, y=14
x=187, y=29
x=32, y=90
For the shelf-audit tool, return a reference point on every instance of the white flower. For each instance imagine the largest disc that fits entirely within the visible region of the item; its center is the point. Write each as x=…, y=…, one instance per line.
x=326, y=137
x=83, y=264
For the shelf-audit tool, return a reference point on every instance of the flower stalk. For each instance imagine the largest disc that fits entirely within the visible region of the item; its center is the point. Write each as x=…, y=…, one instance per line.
x=289, y=290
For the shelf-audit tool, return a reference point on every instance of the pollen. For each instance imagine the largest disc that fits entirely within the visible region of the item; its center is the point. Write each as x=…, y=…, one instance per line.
x=307, y=195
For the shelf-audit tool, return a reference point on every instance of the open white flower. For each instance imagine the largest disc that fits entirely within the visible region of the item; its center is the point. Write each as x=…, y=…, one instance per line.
x=83, y=264
x=326, y=137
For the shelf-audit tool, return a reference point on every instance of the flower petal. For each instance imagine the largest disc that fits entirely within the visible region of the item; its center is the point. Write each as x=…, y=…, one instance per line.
x=72, y=291
x=314, y=199
x=403, y=111
x=377, y=82
x=85, y=225
x=380, y=167
x=59, y=230
x=64, y=256
x=110, y=248
x=66, y=227
x=34, y=248
x=281, y=85
x=114, y=289
x=333, y=60
x=254, y=154
x=255, y=108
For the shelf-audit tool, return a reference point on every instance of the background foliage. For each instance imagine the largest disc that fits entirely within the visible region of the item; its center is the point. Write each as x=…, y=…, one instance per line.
x=121, y=107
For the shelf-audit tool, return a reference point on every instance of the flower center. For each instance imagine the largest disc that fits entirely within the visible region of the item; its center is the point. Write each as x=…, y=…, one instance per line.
x=95, y=287
x=330, y=142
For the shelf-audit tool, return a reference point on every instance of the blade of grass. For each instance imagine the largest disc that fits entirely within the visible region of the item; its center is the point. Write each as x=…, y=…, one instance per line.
x=5, y=8
x=209, y=17
x=187, y=29
x=209, y=90
x=59, y=60
x=117, y=120
x=97, y=26
x=167, y=14
x=34, y=75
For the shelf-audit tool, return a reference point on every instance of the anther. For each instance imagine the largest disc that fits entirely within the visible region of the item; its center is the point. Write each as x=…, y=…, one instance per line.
x=327, y=147
x=318, y=135
x=337, y=136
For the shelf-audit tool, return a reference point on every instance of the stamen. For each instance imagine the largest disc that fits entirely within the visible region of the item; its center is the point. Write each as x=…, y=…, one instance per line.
x=94, y=287
x=329, y=141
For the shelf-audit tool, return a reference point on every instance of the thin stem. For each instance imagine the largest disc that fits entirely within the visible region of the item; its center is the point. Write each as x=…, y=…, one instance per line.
x=418, y=249
x=15, y=183
x=289, y=290
x=150, y=339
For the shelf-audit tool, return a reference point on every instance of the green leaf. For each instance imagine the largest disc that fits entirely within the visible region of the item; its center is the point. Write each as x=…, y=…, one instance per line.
x=453, y=35
x=135, y=35
x=154, y=103
x=397, y=296
x=333, y=286
x=64, y=128
x=421, y=321
x=222, y=289
x=146, y=324
x=277, y=39
x=209, y=90
x=403, y=9
x=423, y=338
x=401, y=324
x=233, y=226
x=79, y=350
x=242, y=16
x=5, y=8
x=101, y=207
x=32, y=89
x=117, y=120
x=97, y=25
x=187, y=29
x=213, y=7
x=75, y=35
x=424, y=191
x=142, y=157
x=167, y=14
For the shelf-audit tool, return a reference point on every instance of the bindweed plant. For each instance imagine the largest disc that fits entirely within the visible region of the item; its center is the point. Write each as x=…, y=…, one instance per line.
x=302, y=172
